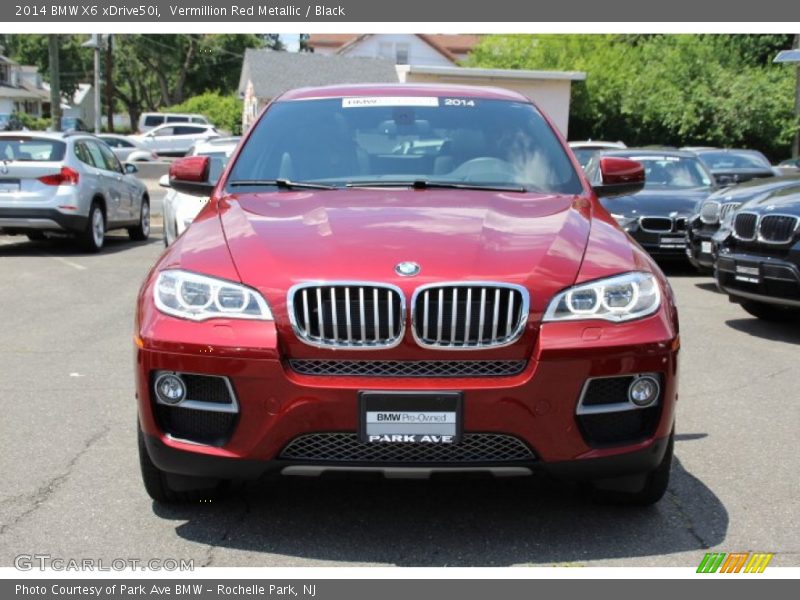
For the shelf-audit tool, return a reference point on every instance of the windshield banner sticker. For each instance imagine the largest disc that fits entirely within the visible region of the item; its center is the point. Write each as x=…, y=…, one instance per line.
x=389, y=101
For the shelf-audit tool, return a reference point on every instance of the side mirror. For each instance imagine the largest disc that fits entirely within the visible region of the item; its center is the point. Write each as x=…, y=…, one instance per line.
x=620, y=177
x=190, y=176
x=130, y=168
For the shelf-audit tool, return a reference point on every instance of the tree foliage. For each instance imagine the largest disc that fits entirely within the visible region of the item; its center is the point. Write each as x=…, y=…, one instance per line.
x=225, y=111
x=720, y=90
x=76, y=63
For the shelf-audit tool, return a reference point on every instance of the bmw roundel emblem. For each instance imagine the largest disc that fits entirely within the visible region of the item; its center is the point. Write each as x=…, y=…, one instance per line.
x=407, y=269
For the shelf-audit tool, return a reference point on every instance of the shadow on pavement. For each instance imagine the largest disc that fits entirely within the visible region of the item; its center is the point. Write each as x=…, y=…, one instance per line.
x=67, y=248
x=788, y=332
x=464, y=522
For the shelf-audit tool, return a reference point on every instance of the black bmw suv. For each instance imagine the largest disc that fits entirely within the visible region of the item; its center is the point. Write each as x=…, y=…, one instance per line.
x=758, y=264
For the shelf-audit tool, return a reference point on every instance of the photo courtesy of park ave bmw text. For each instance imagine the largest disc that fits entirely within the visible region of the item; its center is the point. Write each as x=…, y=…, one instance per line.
x=489, y=290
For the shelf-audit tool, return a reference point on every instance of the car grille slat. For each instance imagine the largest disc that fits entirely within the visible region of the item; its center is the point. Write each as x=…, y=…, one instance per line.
x=407, y=368
x=501, y=311
x=744, y=226
x=347, y=315
x=777, y=229
x=346, y=447
x=656, y=224
x=727, y=209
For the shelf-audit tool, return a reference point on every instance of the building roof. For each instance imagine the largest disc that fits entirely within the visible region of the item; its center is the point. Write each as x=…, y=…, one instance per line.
x=448, y=45
x=21, y=93
x=272, y=73
x=405, y=89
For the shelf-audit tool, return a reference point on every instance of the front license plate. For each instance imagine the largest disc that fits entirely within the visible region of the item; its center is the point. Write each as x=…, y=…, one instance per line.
x=9, y=186
x=705, y=247
x=748, y=274
x=410, y=417
x=672, y=241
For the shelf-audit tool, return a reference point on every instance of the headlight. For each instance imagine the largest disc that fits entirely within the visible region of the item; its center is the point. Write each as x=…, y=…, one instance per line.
x=197, y=297
x=624, y=221
x=709, y=212
x=619, y=298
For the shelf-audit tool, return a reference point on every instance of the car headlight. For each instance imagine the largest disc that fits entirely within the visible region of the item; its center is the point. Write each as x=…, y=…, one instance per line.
x=619, y=298
x=709, y=212
x=624, y=221
x=197, y=297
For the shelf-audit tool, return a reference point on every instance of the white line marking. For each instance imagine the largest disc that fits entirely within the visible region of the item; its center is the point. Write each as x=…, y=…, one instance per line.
x=69, y=263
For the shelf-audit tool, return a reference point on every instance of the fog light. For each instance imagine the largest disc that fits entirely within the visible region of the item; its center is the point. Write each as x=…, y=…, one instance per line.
x=170, y=388
x=643, y=391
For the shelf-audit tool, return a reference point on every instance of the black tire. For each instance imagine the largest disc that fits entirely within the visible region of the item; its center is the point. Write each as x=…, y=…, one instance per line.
x=770, y=312
x=654, y=488
x=92, y=238
x=142, y=231
x=157, y=485
x=36, y=236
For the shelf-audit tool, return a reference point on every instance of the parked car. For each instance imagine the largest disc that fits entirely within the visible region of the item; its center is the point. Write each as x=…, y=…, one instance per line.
x=657, y=216
x=336, y=306
x=150, y=120
x=759, y=256
x=126, y=149
x=74, y=124
x=718, y=209
x=68, y=183
x=584, y=151
x=179, y=210
x=789, y=165
x=175, y=140
x=730, y=166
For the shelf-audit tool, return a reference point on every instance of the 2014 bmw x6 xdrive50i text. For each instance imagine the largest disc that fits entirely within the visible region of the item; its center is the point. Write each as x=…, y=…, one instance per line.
x=408, y=280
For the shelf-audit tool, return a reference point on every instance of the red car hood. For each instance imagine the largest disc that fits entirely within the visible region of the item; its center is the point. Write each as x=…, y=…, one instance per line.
x=282, y=238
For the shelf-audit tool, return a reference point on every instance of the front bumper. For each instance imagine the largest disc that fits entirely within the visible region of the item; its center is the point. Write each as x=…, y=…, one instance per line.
x=278, y=405
x=700, y=247
x=661, y=245
x=745, y=276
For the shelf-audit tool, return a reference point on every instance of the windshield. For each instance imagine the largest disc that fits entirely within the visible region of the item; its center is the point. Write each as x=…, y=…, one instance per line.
x=347, y=141
x=719, y=161
x=31, y=149
x=673, y=172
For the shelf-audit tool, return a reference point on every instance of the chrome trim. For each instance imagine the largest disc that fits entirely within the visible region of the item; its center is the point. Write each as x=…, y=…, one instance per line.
x=755, y=226
x=188, y=403
x=726, y=208
x=403, y=472
x=761, y=238
x=598, y=409
x=360, y=343
x=480, y=344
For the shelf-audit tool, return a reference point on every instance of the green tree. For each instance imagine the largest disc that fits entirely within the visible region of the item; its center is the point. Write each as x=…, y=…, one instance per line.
x=225, y=111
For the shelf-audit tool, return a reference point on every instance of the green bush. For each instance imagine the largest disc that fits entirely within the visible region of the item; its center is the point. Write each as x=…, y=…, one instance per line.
x=33, y=123
x=223, y=111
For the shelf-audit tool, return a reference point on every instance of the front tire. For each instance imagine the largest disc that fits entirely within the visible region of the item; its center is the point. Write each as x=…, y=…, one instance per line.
x=770, y=312
x=157, y=482
x=92, y=238
x=141, y=232
x=654, y=484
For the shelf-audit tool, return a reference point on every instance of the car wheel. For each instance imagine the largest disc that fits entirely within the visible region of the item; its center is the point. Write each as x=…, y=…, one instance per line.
x=142, y=231
x=157, y=482
x=770, y=312
x=648, y=492
x=92, y=238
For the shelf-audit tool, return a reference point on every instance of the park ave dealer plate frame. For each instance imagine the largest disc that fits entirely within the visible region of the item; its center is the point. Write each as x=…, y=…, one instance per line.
x=410, y=417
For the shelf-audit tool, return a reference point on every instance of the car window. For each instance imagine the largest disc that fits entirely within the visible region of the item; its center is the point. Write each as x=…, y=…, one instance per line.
x=164, y=131
x=83, y=155
x=31, y=149
x=734, y=160
x=153, y=120
x=199, y=120
x=447, y=140
x=111, y=161
x=188, y=130
x=95, y=154
x=670, y=172
x=177, y=119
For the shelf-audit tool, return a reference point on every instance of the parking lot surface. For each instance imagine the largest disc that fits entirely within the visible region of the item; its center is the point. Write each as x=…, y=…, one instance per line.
x=71, y=485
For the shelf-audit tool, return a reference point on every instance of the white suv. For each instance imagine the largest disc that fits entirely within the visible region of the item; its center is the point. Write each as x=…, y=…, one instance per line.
x=175, y=139
x=68, y=183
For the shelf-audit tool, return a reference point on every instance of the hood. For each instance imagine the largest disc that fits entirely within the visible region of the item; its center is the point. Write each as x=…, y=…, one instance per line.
x=783, y=201
x=279, y=239
x=656, y=203
x=755, y=188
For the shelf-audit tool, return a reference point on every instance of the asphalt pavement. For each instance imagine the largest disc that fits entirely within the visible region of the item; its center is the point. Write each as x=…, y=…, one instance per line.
x=70, y=476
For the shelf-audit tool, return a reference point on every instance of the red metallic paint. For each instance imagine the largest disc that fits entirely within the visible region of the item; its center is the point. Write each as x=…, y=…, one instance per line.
x=192, y=168
x=616, y=169
x=273, y=240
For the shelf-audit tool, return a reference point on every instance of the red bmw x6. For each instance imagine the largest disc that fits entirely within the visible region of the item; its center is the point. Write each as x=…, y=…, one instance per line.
x=409, y=280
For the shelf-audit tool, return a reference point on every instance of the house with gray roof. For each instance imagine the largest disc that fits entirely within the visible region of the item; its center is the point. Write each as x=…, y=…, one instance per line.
x=266, y=74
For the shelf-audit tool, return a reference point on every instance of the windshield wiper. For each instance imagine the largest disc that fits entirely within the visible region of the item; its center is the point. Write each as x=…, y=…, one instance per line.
x=285, y=184
x=424, y=184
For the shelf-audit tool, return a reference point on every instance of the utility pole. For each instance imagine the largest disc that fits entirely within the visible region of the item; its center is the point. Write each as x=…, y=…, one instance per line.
x=95, y=44
x=109, y=85
x=793, y=56
x=55, y=83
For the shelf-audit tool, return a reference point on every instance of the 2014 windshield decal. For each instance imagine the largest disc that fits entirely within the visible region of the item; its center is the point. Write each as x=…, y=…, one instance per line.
x=367, y=102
